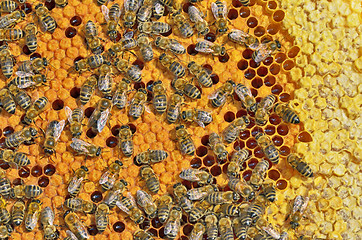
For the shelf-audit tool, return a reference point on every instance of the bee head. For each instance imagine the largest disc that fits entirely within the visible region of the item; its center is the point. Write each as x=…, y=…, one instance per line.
x=246, y=120
x=119, y=163
x=162, y=56
x=98, y=153
x=279, y=45
x=157, y=40
x=33, y=132
x=190, y=64
x=22, y=13
x=223, y=51
x=142, y=90
x=45, y=62
x=84, y=168
x=180, y=127
x=125, y=127
x=231, y=82
x=48, y=151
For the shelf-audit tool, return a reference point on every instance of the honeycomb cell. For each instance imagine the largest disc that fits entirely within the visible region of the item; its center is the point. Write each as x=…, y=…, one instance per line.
x=96, y=196
x=139, y=63
x=201, y=151
x=161, y=233
x=271, y=6
x=36, y=171
x=139, y=85
x=283, y=129
x=191, y=50
x=268, y=61
x=244, y=134
x=274, y=119
x=293, y=52
x=280, y=57
x=58, y=104
x=210, y=37
x=252, y=163
x=258, y=152
x=252, y=22
x=18, y=181
x=278, y=141
x=185, y=7
x=115, y=130
x=26, y=50
x=256, y=130
x=70, y=32
x=304, y=137
x=243, y=64
x=88, y=111
x=153, y=232
x=288, y=65
x=92, y=230
x=4, y=165
x=257, y=82
x=75, y=21
x=229, y=116
x=282, y=184
x=251, y=143
x=119, y=227
x=224, y=59
x=259, y=31
x=241, y=113
x=247, y=53
x=50, y=5
x=187, y=229
x=284, y=97
x=209, y=160
x=269, y=130
x=277, y=89
x=237, y=3
x=111, y=142
x=26, y=7
x=273, y=28
x=249, y=74
x=214, y=78
x=284, y=150
x=274, y=69
x=8, y=130
x=278, y=15
x=244, y=12
x=43, y=181
x=239, y=145
x=132, y=127
x=205, y=140
x=262, y=71
x=24, y=172
x=233, y=14
x=216, y=170
x=247, y=175
x=156, y=223
x=49, y=169
x=196, y=163
x=90, y=133
x=75, y=92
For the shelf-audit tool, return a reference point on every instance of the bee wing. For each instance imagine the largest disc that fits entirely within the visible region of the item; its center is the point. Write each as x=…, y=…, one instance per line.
x=26, y=84
x=74, y=183
x=59, y=129
x=128, y=35
x=194, y=14
x=304, y=205
x=24, y=74
x=102, y=121
x=71, y=235
x=126, y=5
x=224, y=10
x=297, y=203
x=47, y=216
x=272, y=232
x=214, y=10
x=207, y=48
x=201, y=124
x=104, y=82
x=176, y=46
x=112, y=196
x=213, y=95
x=131, y=198
x=284, y=236
x=122, y=207
x=105, y=12
x=158, y=7
x=79, y=145
x=69, y=112
x=172, y=227
x=33, y=220
x=105, y=178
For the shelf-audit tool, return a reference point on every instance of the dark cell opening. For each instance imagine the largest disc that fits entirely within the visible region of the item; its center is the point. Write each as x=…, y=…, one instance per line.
x=252, y=22
x=58, y=105
x=115, y=130
x=233, y=14
x=119, y=227
x=229, y=116
x=36, y=171
x=49, y=169
x=24, y=172
x=140, y=64
x=201, y=151
x=92, y=230
x=210, y=37
x=96, y=196
x=90, y=133
x=244, y=12
x=274, y=174
x=209, y=160
x=132, y=128
x=277, y=89
x=70, y=32
x=8, y=130
x=43, y=181
x=196, y=163
x=205, y=140
x=111, y=142
x=75, y=21
x=88, y=112
x=75, y=92
x=214, y=78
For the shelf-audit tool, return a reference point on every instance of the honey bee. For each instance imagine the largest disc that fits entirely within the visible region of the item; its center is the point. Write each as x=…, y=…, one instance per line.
x=131, y=72
x=145, y=47
x=99, y=117
x=52, y=135
x=197, y=17
x=201, y=192
x=268, y=147
x=70, y=236
x=263, y=108
x=182, y=24
x=201, y=117
x=18, y=212
x=206, y=46
x=173, y=111
x=299, y=206
x=163, y=207
x=76, y=182
x=61, y=3
x=92, y=62
x=35, y=110
x=236, y=162
x=91, y=37
x=222, y=197
x=125, y=140
x=75, y=225
x=244, y=216
x=202, y=75
x=5, y=216
x=246, y=97
x=112, y=16
x=120, y=96
x=31, y=67
x=79, y=205
x=110, y=176
x=101, y=217
x=47, y=22
x=286, y=113
x=145, y=201
x=269, y=192
x=17, y=138
x=184, y=141
x=197, y=232
x=11, y=19
x=7, y=61
x=113, y=195
x=217, y=146
x=168, y=3
x=242, y=188
x=159, y=96
x=226, y=229
x=105, y=80
x=137, y=105
x=270, y=230
x=75, y=119
x=130, y=11
x=128, y=205
x=211, y=222
x=229, y=209
x=243, y=38
x=8, y=6
x=173, y=66
x=170, y=44
x=158, y=9
x=11, y=34
x=240, y=230
x=173, y=223
x=84, y=148
x=265, y=49
x=180, y=192
x=145, y=11
x=149, y=176
x=301, y=166
x=47, y=221
x=25, y=191
x=31, y=40
x=232, y=131
x=21, y=97
x=258, y=174
x=196, y=175
x=150, y=156
x=87, y=89
x=5, y=185
x=126, y=43
x=187, y=88
x=32, y=214
x=219, y=10
x=257, y=209
x=142, y=235
x=28, y=81
x=153, y=28
x=7, y=101
x=219, y=97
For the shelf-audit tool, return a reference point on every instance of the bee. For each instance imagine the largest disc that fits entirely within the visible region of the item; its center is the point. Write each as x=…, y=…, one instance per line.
x=128, y=205
x=145, y=11
x=173, y=223
x=197, y=17
x=120, y=96
x=21, y=97
x=84, y=148
x=25, y=191
x=90, y=31
x=145, y=47
x=32, y=66
x=301, y=166
x=244, y=216
x=270, y=230
x=35, y=110
x=149, y=176
x=32, y=214
x=263, y=108
x=83, y=64
x=206, y=46
x=268, y=147
x=52, y=135
x=269, y=192
x=47, y=22
x=218, y=98
x=110, y=176
x=219, y=10
x=232, y=131
x=182, y=24
x=201, y=192
x=61, y=3
x=76, y=182
x=257, y=209
x=159, y=96
x=126, y=43
x=153, y=28
x=226, y=229
x=180, y=193
x=142, y=235
x=137, y=105
x=170, y=44
x=173, y=111
x=145, y=201
x=31, y=40
x=202, y=75
x=99, y=117
x=243, y=38
x=163, y=207
x=236, y=162
x=184, y=141
x=130, y=12
x=17, y=138
x=70, y=236
x=173, y=66
x=87, y=89
x=239, y=229
x=265, y=49
x=113, y=195
x=11, y=34
x=94, y=61
x=79, y=205
x=5, y=216
x=286, y=113
x=229, y=209
x=28, y=81
x=8, y=6
x=197, y=232
x=11, y=19
x=217, y=146
x=101, y=217
x=5, y=185
x=150, y=156
x=187, y=88
x=246, y=97
x=158, y=9
x=7, y=101
x=112, y=16
x=211, y=222
x=168, y=3
x=258, y=174
x=222, y=197
x=75, y=119
x=125, y=140
x=47, y=221
x=201, y=117
x=196, y=175
x=18, y=212
x=242, y=188
x=131, y=72
x=7, y=61
x=75, y=225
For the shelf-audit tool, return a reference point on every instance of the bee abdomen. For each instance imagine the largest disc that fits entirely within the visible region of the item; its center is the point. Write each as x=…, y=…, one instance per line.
x=192, y=91
x=177, y=69
x=160, y=103
x=127, y=148
x=153, y=184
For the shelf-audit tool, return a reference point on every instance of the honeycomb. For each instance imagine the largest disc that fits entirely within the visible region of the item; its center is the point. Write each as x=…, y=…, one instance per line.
x=317, y=71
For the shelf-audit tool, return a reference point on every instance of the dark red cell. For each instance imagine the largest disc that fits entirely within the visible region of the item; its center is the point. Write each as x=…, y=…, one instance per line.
x=262, y=71
x=4, y=165
x=90, y=133
x=251, y=143
x=284, y=150
x=237, y=3
x=156, y=223
x=252, y=3
x=268, y=61
x=224, y=59
x=58, y=105
x=277, y=140
x=132, y=128
x=111, y=142
x=214, y=78
x=278, y=15
x=280, y=57
x=75, y=92
x=252, y=163
x=187, y=229
x=257, y=82
x=26, y=50
x=239, y=145
x=49, y=169
x=140, y=64
x=284, y=97
x=252, y=22
x=161, y=233
x=24, y=172
x=96, y=196
x=88, y=112
x=8, y=130
x=18, y=181
x=256, y=130
x=247, y=53
x=191, y=50
x=75, y=21
x=274, y=174
x=243, y=64
x=241, y=113
x=281, y=184
x=208, y=67
x=274, y=119
x=269, y=130
x=92, y=230
x=304, y=137
x=229, y=116
x=166, y=34
x=119, y=227
x=50, y=5
x=78, y=59
x=244, y=134
x=274, y=69
x=187, y=184
x=233, y=14
x=269, y=81
x=210, y=37
x=186, y=6
x=259, y=31
x=258, y=152
x=244, y=12
x=196, y=163
x=247, y=175
x=201, y=151
x=209, y=160
x=36, y=171
x=277, y=89
x=282, y=129
x=43, y=181
x=34, y=56
x=253, y=64
x=70, y=32
x=138, y=85
x=115, y=130
x=26, y=7
x=249, y=74
x=215, y=171
x=205, y=140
